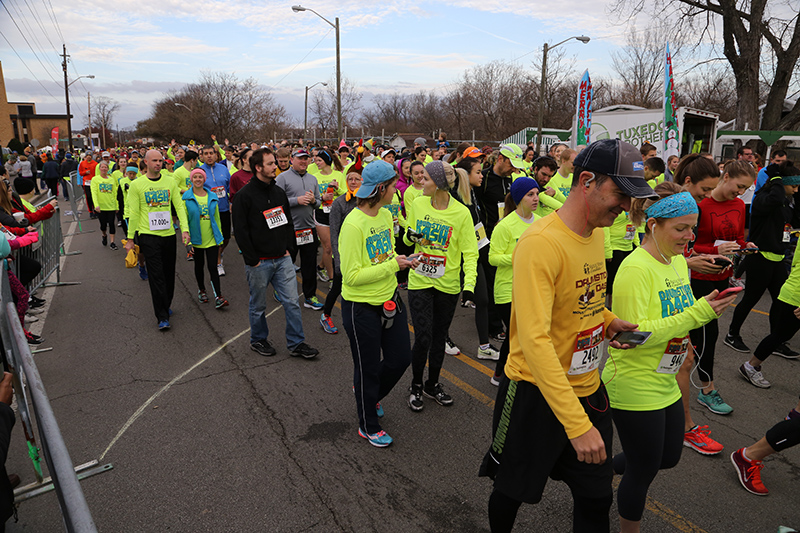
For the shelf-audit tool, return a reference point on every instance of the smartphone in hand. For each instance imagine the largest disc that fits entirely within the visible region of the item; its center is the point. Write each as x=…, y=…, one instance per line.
x=632, y=337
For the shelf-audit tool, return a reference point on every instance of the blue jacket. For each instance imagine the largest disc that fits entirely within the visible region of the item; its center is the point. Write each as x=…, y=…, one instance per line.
x=193, y=215
x=218, y=177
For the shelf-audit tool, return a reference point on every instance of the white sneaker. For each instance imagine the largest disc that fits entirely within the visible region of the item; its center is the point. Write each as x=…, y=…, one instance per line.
x=754, y=376
x=489, y=353
x=450, y=347
x=220, y=269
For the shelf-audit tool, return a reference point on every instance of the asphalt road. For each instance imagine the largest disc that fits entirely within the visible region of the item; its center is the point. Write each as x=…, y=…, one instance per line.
x=232, y=441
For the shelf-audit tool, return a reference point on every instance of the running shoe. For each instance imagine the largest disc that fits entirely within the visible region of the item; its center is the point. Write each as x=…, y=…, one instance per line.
x=220, y=269
x=380, y=439
x=104, y=240
x=736, y=343
x=313, y=303
x=749, y=473
x=33, y=304
x=379, y=410
x=792, y=415
x=190, y=255
x=784, y=351
x=403, y=285
x=415, y=398
x=736, y=282
x=697, y=439
x=468, y=303
x=202, y=296
x=143, y=272
x=450, y=347
x=327, y=324
x=296, y=268
x=322, y=274
x=220, y=302
x=305, y=351
x=495, y=380
x=263, y=348
x=489, y=353
x=714, y=402
x=499, y=337
x=113, y=246
x=754, y=376
x=163, y=325
x=31, y=319
x=437, y=393
x=277, y=298
x=33, y=339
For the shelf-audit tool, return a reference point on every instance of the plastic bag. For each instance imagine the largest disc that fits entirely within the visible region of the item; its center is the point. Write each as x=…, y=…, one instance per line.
x=132, y=258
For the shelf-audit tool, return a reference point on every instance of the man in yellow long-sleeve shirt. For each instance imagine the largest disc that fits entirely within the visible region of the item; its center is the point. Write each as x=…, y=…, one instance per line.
x=552, y=418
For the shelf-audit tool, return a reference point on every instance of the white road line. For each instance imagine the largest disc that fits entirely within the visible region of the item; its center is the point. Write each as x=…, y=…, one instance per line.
x=166, y=387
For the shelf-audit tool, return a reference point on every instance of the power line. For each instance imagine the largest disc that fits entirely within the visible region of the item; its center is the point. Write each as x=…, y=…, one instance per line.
x=28, y=43
x=53, y=17
x=304, y=58
x=27, y=67
x=39, y=22
x=35, y=38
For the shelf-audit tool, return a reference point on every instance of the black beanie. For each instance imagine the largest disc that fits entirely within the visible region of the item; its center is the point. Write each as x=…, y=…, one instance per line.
x=23, y=185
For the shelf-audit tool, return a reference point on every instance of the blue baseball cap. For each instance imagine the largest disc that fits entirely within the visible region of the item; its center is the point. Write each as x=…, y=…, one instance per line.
x=373, y=175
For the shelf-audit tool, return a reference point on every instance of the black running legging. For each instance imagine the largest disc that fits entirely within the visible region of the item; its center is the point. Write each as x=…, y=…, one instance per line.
x=762, y=274
x=588, y=514
x=482, y=305
x=505, y=313
x=704, y=338
x=784, y=434
x=402, y=249
x=334, y=292
x=782, y=327
x=431, y=313
x=651, y=441
x=107, y=219
x=201, y=255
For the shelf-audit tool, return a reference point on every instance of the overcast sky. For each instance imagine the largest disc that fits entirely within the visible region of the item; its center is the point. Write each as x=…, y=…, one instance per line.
x=138, y=51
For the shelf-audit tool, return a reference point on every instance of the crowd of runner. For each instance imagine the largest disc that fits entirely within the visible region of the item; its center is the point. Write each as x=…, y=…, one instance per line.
x=559, y=256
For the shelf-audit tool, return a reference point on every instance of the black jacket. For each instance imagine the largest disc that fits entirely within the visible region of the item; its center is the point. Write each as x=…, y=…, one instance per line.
x=771, y=213
x=492, y=191
x=253, y=235
x=67, y=166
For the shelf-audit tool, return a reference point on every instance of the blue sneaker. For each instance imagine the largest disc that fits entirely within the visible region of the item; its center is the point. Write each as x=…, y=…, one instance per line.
x=380, y=439
x=143, y=272
x=327, y=324
x=379, y=409
x=163, y=325
x=313, y=303
x=714, y=403
x=277, y=298
x=170, y=312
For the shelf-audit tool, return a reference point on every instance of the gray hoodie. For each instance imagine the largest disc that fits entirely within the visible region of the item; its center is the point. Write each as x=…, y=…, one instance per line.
x=294, y=185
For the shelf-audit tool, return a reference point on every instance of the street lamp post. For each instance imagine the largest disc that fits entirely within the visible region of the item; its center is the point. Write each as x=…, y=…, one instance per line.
x=581, y=38
x=67, y=83
x=297, y=9
x=305, y=116
x=183, y=105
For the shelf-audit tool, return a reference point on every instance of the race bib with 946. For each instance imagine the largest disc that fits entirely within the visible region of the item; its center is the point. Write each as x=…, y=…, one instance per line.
x=586, y=355
x=673, y=356
x=159, y=220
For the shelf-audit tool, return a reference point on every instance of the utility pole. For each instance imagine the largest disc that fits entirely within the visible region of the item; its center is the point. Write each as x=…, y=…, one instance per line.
x=66, y=94
x=89, y=103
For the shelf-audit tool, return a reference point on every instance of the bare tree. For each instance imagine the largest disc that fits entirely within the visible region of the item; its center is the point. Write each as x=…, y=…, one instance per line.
x=560, y=89
x=323, y=106
x=711, y=89
x=221, y=104
x=745, y=25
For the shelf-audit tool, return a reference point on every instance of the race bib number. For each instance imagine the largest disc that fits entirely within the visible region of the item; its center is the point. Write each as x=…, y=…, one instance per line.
x=787, y=233
x=674, y=356
x=431, y=266
x=480, y=234
x=10, y=236
x=586, y=355
x=275, y=217
x=159, y=220
x=501, y=207
x=219, y=191
x=630, y=232
x=326, y=208
x=304, y=236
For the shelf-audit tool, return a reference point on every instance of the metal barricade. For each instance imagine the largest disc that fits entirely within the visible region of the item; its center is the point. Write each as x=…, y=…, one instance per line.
x=76, y=196
x=47, y=252
x=64, y=479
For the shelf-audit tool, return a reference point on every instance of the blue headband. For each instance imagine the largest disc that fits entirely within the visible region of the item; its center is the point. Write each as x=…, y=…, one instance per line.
x=132, y=169
x=673, y=206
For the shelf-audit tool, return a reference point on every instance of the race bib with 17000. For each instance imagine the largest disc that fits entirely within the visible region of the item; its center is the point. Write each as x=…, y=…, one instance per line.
x=586, y=355
x=304, y=236
x=159, y=220
x=431, y=266
x=275, y=217
x=219, y=191
x=673, y=356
